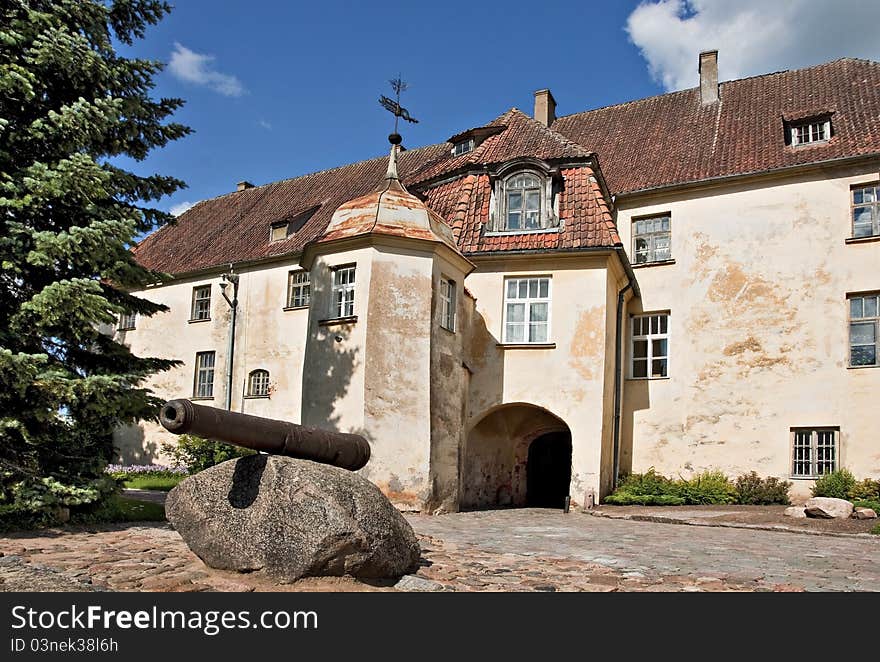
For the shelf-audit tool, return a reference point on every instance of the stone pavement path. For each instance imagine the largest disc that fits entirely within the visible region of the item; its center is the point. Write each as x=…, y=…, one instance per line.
x=704, y=556
x=506, y=550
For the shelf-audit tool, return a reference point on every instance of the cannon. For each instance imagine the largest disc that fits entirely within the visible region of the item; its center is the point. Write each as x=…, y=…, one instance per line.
x=349, y=451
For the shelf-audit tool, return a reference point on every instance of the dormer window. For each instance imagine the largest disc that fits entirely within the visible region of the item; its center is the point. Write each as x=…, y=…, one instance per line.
x=278, y=231
x=522, y=194
x=463, y=147
x=812, y=131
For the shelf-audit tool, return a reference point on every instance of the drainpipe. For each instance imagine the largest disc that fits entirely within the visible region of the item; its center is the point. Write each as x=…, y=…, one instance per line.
x=230, y=346
x=618, y=369
x=631, y=284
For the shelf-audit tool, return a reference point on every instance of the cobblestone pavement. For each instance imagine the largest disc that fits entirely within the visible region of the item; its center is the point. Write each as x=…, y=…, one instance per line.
x=506, y=550
x=661, y=555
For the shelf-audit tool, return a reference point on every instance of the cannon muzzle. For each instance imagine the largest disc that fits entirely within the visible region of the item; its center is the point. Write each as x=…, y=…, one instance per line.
x=349, y=451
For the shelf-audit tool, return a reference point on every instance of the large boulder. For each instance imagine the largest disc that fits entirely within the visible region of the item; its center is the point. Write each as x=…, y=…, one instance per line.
x=828, y=508
x=291, y=518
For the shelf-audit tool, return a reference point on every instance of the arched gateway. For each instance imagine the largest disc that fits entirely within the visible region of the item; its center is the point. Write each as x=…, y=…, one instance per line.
x=516, y=455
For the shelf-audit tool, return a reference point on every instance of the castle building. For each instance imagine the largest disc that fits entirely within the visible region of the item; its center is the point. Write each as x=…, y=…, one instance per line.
x=542, y=304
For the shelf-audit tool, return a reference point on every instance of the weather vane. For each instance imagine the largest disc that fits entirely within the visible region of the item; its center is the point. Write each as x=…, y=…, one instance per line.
x=393, y=106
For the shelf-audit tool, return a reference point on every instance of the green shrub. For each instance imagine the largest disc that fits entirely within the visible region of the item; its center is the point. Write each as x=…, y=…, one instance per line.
x=751, y=489
x=836, y=484
x=865, y=490
x=868, y=503
x=625, y=499
x=197, y=454
x=648, y=483
x=876, y=530
x=709, y=487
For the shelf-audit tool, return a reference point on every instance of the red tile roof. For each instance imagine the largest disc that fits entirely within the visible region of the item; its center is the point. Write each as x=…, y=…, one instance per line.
x=235, y=227
x=656, y=142
x=675, y=139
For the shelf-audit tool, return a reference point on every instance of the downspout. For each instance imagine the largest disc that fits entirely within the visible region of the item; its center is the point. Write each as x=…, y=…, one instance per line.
x=230, y=345
x=633, y=285
x=618, y=368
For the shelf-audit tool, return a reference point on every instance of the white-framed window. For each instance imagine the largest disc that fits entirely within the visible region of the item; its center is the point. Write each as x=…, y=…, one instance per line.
x=652, y=239
x=447, y=303
x=864, y=329
x=201, y=303
x=527, y=310
x=523, y=195
x=203, y=380
x=463, y=147
x=343, y=291
x=866, y=210
x=258, y=384
x=649, y=347
x=127, y=321
x=814, y=131
x=298, y=289
x=814, y=451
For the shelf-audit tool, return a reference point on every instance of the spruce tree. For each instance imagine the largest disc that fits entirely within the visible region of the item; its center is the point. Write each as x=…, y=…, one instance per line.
x=69, y=104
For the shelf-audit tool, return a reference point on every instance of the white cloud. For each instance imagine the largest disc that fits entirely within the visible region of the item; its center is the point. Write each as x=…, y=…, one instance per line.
x=266, y=125
x=181, y=207
x=752, y=36
x=193, y=67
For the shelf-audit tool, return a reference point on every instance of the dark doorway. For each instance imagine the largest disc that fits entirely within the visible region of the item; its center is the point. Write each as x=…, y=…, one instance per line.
x=548, y=472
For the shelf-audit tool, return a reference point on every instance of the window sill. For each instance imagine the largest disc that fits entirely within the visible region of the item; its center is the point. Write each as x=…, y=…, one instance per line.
x=448, y=330
x=657, y=263
x=862, y=240
x=505, y=233
x=861, y=367
x=208, y=397
x=646, y=379
x=804, y=477
x=526, y=345
x=306, y=307
x=336, y=321
x=203, y=319
x=255, y=397
x=128, y=328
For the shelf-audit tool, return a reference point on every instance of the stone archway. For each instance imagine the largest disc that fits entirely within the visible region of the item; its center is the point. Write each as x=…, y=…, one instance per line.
x=496, y=466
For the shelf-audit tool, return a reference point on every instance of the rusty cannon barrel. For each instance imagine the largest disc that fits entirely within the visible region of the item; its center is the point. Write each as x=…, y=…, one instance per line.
x=349, y=451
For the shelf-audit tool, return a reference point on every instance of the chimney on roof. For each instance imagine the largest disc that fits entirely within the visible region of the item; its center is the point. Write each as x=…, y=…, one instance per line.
x=545, y=107
x=708, y=76
x=243, y=185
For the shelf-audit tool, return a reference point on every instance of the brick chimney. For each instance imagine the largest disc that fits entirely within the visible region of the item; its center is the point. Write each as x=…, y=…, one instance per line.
x=708, y=76
x=545, y=107
x=243, y=185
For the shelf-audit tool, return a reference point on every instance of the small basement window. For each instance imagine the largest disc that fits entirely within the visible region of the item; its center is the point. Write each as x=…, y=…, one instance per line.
x=814, y=451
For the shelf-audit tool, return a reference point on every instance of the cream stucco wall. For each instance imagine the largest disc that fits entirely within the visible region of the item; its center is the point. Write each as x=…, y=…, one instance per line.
x=572, y=380
x=267, y=337
x=758, y=328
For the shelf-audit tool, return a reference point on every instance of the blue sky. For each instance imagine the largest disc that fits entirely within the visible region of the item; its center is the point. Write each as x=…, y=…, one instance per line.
x=276, y=89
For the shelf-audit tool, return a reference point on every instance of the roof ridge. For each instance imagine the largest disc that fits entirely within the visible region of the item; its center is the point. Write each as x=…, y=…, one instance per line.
x=317, y=172
x=553, y=133
x=725, y=82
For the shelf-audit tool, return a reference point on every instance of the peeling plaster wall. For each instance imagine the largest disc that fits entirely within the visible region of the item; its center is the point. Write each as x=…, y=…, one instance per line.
x=449, y=382
x=397, y=407
x=267, y=337
x=333, y=373
x=570, y=380
x=758, y=329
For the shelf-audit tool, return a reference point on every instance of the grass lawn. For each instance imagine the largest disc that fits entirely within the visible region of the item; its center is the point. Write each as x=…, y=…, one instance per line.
x=123, y=509
x=148, y=482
